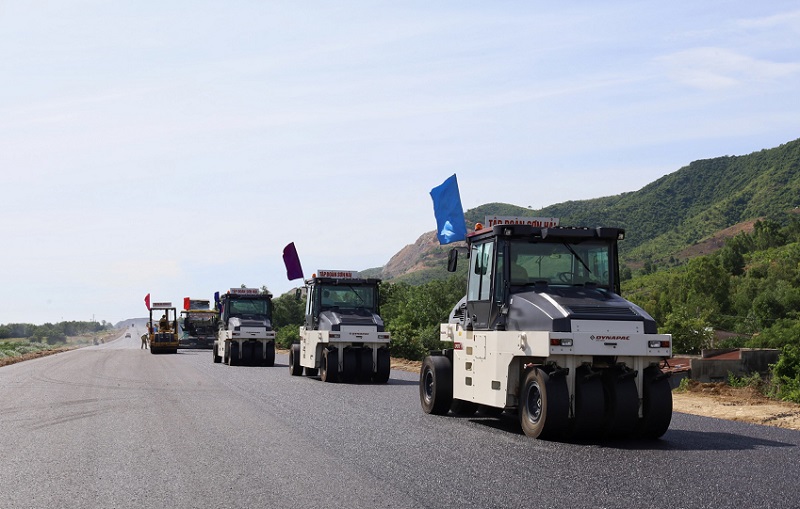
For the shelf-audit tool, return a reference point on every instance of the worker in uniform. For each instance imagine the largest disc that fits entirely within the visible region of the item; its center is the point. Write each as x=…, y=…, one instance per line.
x=163, y=324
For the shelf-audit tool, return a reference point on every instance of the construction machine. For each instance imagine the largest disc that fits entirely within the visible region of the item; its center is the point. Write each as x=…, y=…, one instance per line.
x=544, y=333
x=244, y=330
x=198, y=324
x=163, y=330
x=343, y=337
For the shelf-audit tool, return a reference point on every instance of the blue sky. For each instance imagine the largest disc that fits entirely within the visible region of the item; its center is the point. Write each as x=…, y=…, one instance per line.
x=174, y=148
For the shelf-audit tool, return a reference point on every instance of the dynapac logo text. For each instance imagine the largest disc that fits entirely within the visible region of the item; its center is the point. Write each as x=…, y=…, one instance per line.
x=610, y=338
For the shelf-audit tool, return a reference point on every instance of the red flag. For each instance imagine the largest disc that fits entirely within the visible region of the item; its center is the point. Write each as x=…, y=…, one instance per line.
x=186, y=303
x=147, y=300
x=292, y=262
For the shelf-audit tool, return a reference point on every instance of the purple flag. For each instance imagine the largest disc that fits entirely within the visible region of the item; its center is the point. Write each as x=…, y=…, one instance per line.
x=292, y=262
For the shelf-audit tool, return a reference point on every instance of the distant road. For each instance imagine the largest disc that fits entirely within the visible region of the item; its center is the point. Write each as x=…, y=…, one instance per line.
x=114, y=426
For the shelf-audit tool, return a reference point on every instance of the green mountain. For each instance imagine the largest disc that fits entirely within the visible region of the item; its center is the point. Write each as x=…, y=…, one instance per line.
x=691, y=204
x=662, y=220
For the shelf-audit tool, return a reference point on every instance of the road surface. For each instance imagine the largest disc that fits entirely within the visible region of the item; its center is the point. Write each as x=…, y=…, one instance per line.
x=114, y=426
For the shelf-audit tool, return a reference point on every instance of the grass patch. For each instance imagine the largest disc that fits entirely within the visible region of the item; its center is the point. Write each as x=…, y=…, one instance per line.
x=21, y=349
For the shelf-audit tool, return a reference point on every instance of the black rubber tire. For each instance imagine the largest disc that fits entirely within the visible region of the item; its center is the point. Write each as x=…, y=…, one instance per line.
x=384, y=366
x=436, y=385
x=233, y=356
x=217, y=358
x=311, y=371
x=656, y=404
x=589, y=405
x=245, y=359
x=295, y=369
x=622, y=403
x=364, y=365
x=349, y=365
x=463, y=408
x=269, y=361
x=543, y=404
x=329, y=367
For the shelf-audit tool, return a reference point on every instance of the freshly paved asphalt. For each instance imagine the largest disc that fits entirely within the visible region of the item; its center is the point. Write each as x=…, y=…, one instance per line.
x=114, y=426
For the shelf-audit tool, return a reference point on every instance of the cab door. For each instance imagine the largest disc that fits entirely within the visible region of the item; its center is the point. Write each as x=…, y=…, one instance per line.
x=469, y=356
x=479, y=288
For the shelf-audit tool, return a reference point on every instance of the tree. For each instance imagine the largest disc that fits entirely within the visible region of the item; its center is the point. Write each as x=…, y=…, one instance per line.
x=767, y=234
x=413, y=313
x=786, y=373
x=689, y=334
x=708, y=281
x=288, y=309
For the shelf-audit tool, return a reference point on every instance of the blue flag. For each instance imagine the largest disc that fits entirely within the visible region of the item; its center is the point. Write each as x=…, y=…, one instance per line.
x=292, y=262
x=450, y=224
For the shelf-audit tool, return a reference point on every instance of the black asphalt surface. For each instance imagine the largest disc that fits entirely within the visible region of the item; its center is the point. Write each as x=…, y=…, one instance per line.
x=114, y=426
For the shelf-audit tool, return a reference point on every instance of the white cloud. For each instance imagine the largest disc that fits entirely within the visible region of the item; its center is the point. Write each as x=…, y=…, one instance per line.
x=789, y=20
x=712, y=68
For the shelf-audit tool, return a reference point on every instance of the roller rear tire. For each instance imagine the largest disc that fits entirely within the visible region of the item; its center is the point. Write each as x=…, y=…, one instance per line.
x=656, y=404
x=295, y=369
x=436, y=385
x=329, y=368
x=349, y=365
x=233, y=354
x=622, y=402
x=269, y=360
x=589, y=405
x=364, y=365
x=383, y=368
x=543, y=404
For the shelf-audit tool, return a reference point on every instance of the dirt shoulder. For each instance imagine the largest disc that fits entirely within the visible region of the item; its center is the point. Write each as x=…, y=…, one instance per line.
x=743, y=404
x=71, y=344
x=711, y=400
x=5, y=361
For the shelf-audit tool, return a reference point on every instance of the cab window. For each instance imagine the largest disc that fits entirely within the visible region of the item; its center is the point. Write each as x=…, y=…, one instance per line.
x=480, y=273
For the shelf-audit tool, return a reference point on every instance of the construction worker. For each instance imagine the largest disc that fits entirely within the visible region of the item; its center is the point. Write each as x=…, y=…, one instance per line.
x=163, y=324
x=144, y=341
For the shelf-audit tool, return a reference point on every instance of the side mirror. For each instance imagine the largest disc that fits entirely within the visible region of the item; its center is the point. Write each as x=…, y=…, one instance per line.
x=297, y=294
x=452, y=260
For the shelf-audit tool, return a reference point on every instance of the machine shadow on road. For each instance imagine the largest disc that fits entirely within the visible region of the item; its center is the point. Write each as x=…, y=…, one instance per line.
x=391, y=381
x=276, y=365
x=673, y=440
x=684, y=440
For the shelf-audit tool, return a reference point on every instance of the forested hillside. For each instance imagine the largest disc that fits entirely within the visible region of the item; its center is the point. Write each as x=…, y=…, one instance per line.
x=661, y=220
x=692, y=203
x=750, y=287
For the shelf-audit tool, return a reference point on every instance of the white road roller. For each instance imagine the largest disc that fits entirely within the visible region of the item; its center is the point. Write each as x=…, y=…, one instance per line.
x=343, y=337
x=544, y=332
